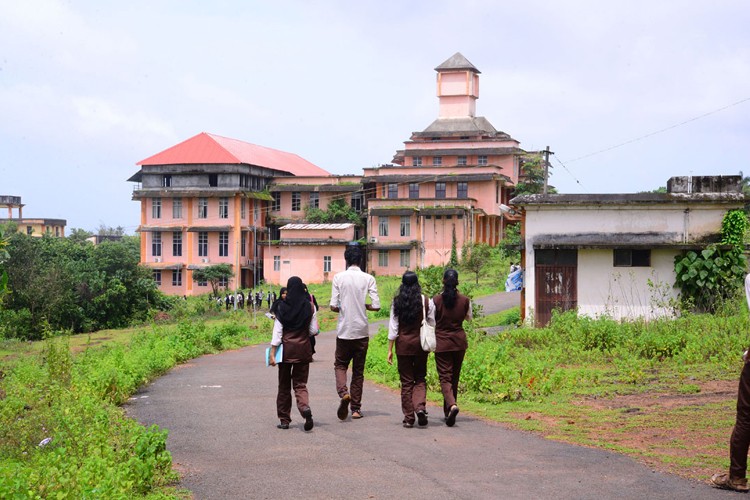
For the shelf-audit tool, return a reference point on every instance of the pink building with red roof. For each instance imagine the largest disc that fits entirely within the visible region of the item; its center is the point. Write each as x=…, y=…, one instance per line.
x=204, y=202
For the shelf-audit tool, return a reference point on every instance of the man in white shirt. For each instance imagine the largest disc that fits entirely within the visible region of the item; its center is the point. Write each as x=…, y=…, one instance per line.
x=349, y=291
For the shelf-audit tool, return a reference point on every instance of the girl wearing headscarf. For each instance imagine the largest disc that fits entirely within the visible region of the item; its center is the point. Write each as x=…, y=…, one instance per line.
x=296, y=320
x=451, y=309
x=275, y=305
x=407, y=311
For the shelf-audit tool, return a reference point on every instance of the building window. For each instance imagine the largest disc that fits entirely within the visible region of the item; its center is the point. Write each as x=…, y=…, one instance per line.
x=224, y=281
x=383, y=258
x=413, y=190
x=416, y=161
x=29, y=229
x=177, y=208
x=314, y=200
x=157, y=276
x=57, y=232
x=440, y=190
x=276, y=263
x=202, y=208
x=405, y=258
x=461, y=161
x=202, y=243
x=156, y=208
x=276, y=204
x=243, y=244
x=382, y=226
x=177, y=277
x=405, y=225
x=326, y=263
x=213, y=180
x=482, y=160
x=223, y=243
x=223, y=208
x=357, y=201
x=202, y=283
x=243, y=208
x=256, y=211
x=166, y=181
x=437, y=161
x=631, y=258
x=462, y=190
x=177, y=244
x=296, y=201
x=393, y=190
x=156, y=244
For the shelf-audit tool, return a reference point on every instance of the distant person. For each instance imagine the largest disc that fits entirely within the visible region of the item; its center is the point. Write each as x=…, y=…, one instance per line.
x=268, y=298
x=407, y=311
x=275, y=305
x=451, y=310
x=739, y=443
x=295, y=321
x=349, y=291
x=226, y=301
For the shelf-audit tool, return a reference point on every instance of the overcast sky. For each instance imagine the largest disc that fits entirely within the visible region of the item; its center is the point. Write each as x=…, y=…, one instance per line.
x=89, y=88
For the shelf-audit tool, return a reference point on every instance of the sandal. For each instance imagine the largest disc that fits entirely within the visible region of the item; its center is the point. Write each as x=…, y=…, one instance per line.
x=356, y=414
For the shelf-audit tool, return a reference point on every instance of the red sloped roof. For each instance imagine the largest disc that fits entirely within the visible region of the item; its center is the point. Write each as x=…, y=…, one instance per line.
x=210, y=148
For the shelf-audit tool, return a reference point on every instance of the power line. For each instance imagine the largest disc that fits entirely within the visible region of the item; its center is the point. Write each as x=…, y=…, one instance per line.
x=639, y=138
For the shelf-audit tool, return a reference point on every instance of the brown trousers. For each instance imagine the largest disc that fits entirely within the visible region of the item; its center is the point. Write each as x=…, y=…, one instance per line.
x=740, y=440
x=292, y=376
x=448, y=366
x=412, y=370
x=354, y=351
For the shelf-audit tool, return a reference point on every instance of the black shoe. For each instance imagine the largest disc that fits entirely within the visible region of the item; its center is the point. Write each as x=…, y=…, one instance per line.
x=308, y=419
x=451, y=418
x=422, y=418
x=282, y=425
x=408, y=425
x=343, y=410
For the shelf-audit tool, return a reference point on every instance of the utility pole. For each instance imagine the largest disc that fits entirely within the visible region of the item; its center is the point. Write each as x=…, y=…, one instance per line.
x=547, y=152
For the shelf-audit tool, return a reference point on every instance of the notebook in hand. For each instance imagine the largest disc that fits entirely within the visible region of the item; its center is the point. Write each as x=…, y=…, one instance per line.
x=279, y=354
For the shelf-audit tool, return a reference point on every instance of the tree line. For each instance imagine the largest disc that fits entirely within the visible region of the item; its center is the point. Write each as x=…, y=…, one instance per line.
x=69, y=284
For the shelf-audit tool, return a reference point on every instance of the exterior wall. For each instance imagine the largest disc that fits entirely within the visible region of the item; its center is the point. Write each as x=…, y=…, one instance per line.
x=39, y=227
x=394, y=267
x=624, y=292
x=303, y=261
x=437, y=238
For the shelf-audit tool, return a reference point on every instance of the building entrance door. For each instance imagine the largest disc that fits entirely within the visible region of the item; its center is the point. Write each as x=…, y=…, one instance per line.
x=556, y=279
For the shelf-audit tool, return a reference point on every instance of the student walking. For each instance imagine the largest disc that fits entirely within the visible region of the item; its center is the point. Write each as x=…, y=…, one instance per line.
x=451, y=310
x=408, y=310
x=349, y=291
x=295, y=321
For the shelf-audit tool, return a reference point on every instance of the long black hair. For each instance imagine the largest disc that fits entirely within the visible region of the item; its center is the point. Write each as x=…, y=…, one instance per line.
x=295, y=312
x=450, y=293
x=407, y=304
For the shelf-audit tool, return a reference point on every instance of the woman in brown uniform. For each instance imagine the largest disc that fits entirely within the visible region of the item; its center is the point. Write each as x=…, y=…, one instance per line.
x=451, y=309
x=408, y=309
x=295, y=321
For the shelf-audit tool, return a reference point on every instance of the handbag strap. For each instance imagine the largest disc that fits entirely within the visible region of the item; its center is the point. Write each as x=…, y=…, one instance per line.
x=426, y=308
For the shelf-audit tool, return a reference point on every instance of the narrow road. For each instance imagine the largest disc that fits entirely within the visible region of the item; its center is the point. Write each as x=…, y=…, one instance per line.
x=221, y=415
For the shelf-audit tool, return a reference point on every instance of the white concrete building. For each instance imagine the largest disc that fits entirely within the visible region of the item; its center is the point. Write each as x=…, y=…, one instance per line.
x=613, y=254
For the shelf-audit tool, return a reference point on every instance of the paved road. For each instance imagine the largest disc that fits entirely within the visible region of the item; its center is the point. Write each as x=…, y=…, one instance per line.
x=221, y=415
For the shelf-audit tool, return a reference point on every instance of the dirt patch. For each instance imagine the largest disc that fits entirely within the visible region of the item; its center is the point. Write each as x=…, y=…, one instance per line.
x=716, y=391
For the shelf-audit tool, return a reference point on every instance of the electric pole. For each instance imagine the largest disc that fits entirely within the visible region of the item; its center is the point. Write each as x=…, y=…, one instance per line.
x=547, y=152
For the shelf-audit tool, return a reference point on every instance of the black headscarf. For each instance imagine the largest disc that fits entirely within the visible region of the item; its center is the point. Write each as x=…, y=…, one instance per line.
x=275, y=306
x=295, y=312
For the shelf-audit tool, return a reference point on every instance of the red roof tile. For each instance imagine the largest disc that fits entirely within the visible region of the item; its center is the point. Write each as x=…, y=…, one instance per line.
x=209, y=148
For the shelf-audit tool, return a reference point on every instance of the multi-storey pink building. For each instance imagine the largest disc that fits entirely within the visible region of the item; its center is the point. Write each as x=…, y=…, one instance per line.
x=447, y=182
x=216, y=200
x=204, y=202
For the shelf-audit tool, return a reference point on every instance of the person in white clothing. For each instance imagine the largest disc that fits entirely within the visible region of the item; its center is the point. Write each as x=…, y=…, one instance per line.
x=349, y=292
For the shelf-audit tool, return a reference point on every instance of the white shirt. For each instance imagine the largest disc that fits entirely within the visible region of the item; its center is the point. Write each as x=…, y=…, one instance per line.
x=393, y=323
x=278, y=328
x=349, y=291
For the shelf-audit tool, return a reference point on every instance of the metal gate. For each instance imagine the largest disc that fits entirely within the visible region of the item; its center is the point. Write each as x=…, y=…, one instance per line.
x=556, y=283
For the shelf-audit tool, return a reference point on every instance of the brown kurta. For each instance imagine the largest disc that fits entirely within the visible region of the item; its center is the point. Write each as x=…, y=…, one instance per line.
x=449, y=330
x=407, y=342
x=297, y=348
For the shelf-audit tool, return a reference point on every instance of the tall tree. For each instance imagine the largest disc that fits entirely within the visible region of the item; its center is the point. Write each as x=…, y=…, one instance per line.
x=214, y=275
x=475, y=257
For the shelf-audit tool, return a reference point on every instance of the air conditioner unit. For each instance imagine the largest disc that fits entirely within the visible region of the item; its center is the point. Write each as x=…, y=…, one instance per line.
x=373, y=239
x=204, y=260
x=157, y=259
